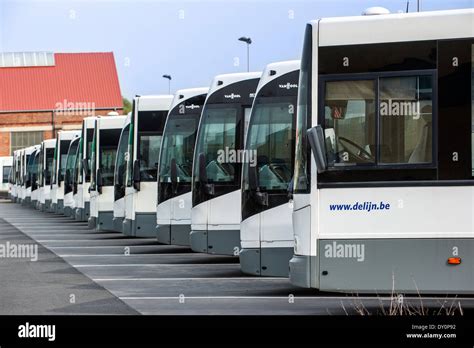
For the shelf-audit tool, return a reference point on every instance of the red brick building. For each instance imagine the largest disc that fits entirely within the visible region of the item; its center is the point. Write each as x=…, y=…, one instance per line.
x=41, y=93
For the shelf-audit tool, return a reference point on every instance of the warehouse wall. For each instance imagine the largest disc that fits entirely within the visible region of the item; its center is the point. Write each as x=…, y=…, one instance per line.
x=39, y=121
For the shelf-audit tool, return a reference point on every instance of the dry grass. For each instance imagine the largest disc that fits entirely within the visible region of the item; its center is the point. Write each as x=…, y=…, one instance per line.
x=399, y=305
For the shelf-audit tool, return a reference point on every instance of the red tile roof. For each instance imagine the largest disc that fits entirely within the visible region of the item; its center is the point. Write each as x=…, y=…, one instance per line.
x=75, y=78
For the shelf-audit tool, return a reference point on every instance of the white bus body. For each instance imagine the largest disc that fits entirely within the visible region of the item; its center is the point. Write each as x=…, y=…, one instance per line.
x=21, y=176
x=119, y=176
x=266, y=231
x=47, y=156
x=34, y=176
x=6, y=164
x=104, y=149
x=30, y=170
x=15, y=174
x=64, y=139
x=147, y=122
x=82, y=173
x=173, y=212
x=389, y=204
x=72, y=152
x=215, y=216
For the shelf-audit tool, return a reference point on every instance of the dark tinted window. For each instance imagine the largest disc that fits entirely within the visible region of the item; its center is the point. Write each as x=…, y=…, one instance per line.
x=69, y=168
x=109, y=139
x=49, y=165
x=6, y=173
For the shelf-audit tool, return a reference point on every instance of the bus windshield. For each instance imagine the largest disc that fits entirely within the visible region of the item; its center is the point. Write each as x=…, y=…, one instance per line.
x=271, y=139
x=70, y=161
x=7, y=175
x=63, y=158
x=178, y=144
x=218, y=134
x=49, y=165
x=150, y=131
x=40, y=165
x=78, y=166
x=109, y=139
x=30, y=168
x=90, y=136
x=24, y=168
x=37, y=170
x=301, y=179
x=54, y=164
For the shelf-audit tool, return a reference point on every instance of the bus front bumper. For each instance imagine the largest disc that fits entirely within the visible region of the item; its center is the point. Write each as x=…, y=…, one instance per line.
x=219, y=242
x=268, y=262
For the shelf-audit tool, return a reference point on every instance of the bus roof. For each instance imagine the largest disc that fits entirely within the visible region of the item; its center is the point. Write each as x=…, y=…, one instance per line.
x=224, y=80
x=49, y=143
x=68, y=134
x=89, y=121
x=395, y=27
x=111, y=122
x=154, y=102
x=276, y=69
x=183, y=94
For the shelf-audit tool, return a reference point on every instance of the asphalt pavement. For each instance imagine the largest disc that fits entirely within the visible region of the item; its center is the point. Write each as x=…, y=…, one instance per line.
x=81, y=271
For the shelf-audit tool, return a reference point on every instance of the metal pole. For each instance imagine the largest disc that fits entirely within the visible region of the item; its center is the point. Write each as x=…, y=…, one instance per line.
x=248, y=57
x=418, y=5
x=53, y=128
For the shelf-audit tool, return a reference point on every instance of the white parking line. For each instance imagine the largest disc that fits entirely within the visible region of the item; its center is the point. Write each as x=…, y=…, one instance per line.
x=151, y=265
x=296, y=298
x=114, y=255
x=181, y=279
x=76, y=240
x=106, y=246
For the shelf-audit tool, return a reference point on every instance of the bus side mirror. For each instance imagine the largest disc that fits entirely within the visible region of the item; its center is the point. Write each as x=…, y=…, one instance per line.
x=136, y=175
x=318, y=147
x=202, y=169
x=99, y=181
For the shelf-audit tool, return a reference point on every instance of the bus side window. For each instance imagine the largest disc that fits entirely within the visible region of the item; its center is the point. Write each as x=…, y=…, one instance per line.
x=406, y=126
x=350, y=121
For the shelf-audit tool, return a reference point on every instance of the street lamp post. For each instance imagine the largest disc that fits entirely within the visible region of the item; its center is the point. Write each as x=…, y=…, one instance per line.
x=248, y=41
x=168, y=77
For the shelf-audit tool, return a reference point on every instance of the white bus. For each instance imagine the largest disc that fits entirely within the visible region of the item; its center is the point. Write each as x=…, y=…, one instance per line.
x=147, y=123
x=266, y=231
x=45, y=170
x=34, y=176
x=21, y=187
x=173, y=212
x=15, y=176
x=30, y=172
x=72, y=153
x=64, y=139
x=82, y=173
x=104, y=149
x=119, y=176
x=386, y=201
x=21, y=190
x=218, y=157
x=6, y=164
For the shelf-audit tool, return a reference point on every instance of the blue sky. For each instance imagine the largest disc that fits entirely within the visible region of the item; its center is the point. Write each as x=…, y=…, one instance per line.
x=191, y=40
